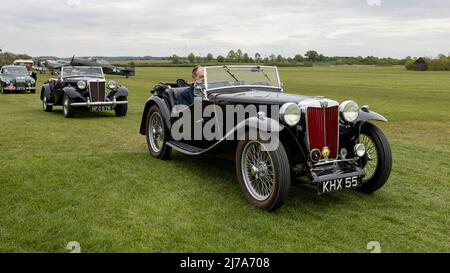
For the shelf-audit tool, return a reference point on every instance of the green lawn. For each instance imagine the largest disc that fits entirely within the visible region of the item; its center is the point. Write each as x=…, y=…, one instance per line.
x=91, y=179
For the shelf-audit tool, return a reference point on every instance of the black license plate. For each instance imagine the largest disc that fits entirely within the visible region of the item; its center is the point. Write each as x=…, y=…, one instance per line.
x=101, y=108
x=339, y=184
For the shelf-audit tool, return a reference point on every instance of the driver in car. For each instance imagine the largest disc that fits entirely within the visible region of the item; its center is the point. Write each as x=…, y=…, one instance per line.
x=187, y=96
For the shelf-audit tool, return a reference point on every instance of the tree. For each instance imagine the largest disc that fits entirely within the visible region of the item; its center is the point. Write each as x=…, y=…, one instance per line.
x=7, y=58
x=312, y=55
x=272, y=57
x=409, y=64
x=199, y=59
x=280, y=58
x=209, y=57
x=191, y=58
x=442, y=57
x=245, y=58
x=298, y=58
x=239, y=55
x=257, y=57
x=231, y=56
x=175, y=59
x=220, y=59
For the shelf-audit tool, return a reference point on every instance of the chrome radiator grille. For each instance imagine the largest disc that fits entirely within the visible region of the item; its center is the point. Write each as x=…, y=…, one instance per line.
x=323, y=128
x=97, y=90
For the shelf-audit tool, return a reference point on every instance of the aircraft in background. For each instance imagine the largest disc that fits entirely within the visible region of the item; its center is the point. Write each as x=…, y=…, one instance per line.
x=107, y=67
x=54, y=65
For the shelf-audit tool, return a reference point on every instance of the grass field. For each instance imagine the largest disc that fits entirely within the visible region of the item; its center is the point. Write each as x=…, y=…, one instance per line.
x=91, y=179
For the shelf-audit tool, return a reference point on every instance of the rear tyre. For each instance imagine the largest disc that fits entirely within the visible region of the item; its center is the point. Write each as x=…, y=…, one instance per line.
x=264, y=176
x=45, y=106
x=377, y=162
x=157, y=134
x=121, y=109
x=68, y=110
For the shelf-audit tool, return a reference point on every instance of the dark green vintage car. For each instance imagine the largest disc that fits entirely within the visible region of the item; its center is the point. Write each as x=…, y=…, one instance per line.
x=14, y=78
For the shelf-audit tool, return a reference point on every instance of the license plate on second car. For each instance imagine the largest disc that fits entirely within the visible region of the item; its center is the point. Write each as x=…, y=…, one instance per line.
x=100, y=108
x=339, y=184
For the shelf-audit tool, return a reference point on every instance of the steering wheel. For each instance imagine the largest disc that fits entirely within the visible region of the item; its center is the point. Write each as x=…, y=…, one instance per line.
x=182, y=83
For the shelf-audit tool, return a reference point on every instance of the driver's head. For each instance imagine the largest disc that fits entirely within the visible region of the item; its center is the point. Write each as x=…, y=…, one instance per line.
x=198, y=73
x=29, y=66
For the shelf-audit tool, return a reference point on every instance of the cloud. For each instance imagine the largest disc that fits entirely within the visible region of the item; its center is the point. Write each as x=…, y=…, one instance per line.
x=162, y=28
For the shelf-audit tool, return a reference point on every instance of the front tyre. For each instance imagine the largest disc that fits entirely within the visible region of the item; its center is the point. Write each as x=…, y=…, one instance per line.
x=157, y=134
x=121, y=109
x=264, y=176
x=68, y=110
x=377, y=162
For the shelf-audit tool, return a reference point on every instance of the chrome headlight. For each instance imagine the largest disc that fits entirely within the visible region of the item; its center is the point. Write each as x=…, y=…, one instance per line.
x=359, y=150
x=112, y=85
x=7, y=82
x=290, y=113
x=349, y=111
x=81, y=84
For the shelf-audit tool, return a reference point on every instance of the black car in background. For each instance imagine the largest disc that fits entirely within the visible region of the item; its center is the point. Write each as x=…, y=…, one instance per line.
x=84, y=88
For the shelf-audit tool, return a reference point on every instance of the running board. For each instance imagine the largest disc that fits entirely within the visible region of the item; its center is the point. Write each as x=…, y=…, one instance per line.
x=185, y=148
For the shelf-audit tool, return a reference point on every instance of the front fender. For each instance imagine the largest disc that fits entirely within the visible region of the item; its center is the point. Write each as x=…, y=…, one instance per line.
x=122, y=91
x=367, y=116
x=155, y=100
x=72, y=93
x=265, y=125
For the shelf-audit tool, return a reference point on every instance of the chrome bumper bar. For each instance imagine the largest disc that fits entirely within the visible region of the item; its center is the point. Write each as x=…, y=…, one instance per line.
x=99, y=103
x=332, y=161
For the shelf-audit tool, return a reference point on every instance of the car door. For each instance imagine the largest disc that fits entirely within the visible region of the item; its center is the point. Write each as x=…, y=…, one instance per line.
x=199, y=114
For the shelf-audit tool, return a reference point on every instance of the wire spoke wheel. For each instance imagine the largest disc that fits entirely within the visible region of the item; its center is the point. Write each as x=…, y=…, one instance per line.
x=257, y=170
x=377, y=162
x=155, y=132
x=371, y=157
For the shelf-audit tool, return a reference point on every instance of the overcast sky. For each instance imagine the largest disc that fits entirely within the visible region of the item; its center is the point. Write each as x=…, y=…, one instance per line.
x=396, y=28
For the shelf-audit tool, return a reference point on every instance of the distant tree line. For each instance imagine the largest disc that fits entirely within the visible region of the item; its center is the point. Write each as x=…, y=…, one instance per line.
x=7, y=58
x=309, y=58
x=441, y=63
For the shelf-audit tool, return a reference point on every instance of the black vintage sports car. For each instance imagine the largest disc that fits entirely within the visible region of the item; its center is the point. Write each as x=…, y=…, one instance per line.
x=276, y=136
x=83, y=87
x=15, y=78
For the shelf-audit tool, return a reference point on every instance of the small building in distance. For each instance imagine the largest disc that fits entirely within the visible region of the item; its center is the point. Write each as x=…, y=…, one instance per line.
x=420, y=65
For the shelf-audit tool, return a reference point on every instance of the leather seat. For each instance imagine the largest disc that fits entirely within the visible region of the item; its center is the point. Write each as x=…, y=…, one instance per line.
x=174, y=94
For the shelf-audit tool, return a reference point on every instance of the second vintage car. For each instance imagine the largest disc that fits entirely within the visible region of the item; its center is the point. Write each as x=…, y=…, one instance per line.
x=84, y=88
x=15, y=78
x=335, y=145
